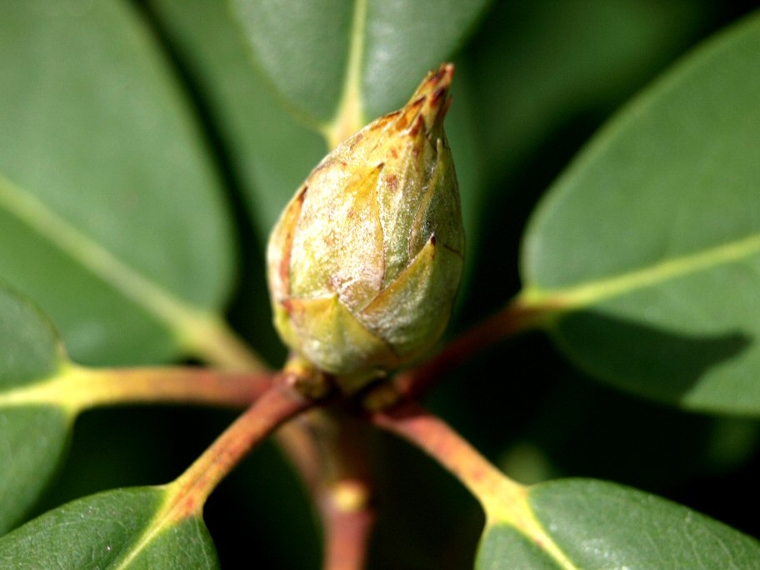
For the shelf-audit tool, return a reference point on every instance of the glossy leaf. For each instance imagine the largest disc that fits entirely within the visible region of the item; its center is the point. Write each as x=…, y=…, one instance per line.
x=32, y=436
x=538, y=67
x=121, y=529
x=503, y=547
x=532, y=85
x=110, y=213
x=650, y=242
x=597, y=526
x=270, y=152
x=314, y=53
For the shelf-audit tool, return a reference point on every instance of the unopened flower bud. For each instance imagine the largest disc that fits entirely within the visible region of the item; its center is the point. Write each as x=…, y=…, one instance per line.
x=365, y=261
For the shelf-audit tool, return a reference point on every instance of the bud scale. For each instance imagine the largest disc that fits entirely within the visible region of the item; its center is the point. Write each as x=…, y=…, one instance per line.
x=365, y=260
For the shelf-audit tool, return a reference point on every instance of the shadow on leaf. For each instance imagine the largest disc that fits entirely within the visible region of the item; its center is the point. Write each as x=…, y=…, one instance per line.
x=666, y=365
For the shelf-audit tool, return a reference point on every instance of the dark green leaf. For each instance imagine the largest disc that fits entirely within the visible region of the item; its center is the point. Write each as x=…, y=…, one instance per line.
x=502, y=547
x=405, y=39
x=302, y=47
x=32, y=444
x=651, y=240
x=110, y=213
x=314, y=52
x=270, y=152
x=32, y=436
x=116, y=530
x=537, y=68
x=598, y=526
x=534, y=79
x=29, y=345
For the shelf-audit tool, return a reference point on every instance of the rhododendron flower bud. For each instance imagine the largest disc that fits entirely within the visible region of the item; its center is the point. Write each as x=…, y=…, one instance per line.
x=365, y=261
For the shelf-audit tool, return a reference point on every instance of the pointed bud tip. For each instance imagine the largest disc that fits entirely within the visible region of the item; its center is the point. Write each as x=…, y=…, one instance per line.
x=436, y=79
x=431, y=97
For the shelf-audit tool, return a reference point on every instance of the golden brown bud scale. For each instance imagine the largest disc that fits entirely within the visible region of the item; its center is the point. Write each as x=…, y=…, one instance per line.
x=365, y=260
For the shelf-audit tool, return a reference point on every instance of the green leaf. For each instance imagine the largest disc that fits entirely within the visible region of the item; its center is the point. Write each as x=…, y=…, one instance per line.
x=270, y=152
x=110, y=213
x=538, y=67
x=596, y=525
x=302, y=47
x=128, y=528
x=649, y=245
x=502, y=547
x=33, y=436
x=320, y=55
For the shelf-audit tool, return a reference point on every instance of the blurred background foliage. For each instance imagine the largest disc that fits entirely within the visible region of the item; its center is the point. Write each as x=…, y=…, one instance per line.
x=534, y=81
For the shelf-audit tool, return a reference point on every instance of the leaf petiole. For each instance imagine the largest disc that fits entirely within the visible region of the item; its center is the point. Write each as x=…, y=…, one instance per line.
x=77, y=388
x=186, y=495
x=515, y=318
x=504, y=500
x=278, y=404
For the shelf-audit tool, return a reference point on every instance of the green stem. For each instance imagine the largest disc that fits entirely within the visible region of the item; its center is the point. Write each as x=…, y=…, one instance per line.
x=280, y=403
x=76, y=388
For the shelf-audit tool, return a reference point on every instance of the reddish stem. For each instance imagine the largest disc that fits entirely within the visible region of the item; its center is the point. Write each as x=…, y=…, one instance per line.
x=504, y=500
x=277, y=405
x=348, y=521
x=344, y=492
x=512, y=319
x=172, y=385
x=431, y=434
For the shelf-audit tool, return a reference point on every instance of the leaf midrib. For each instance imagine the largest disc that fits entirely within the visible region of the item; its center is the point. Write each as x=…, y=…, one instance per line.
x=181, y=318
x=162, y=520
x=349, y=115
x=592, y=292
x=518, y=513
